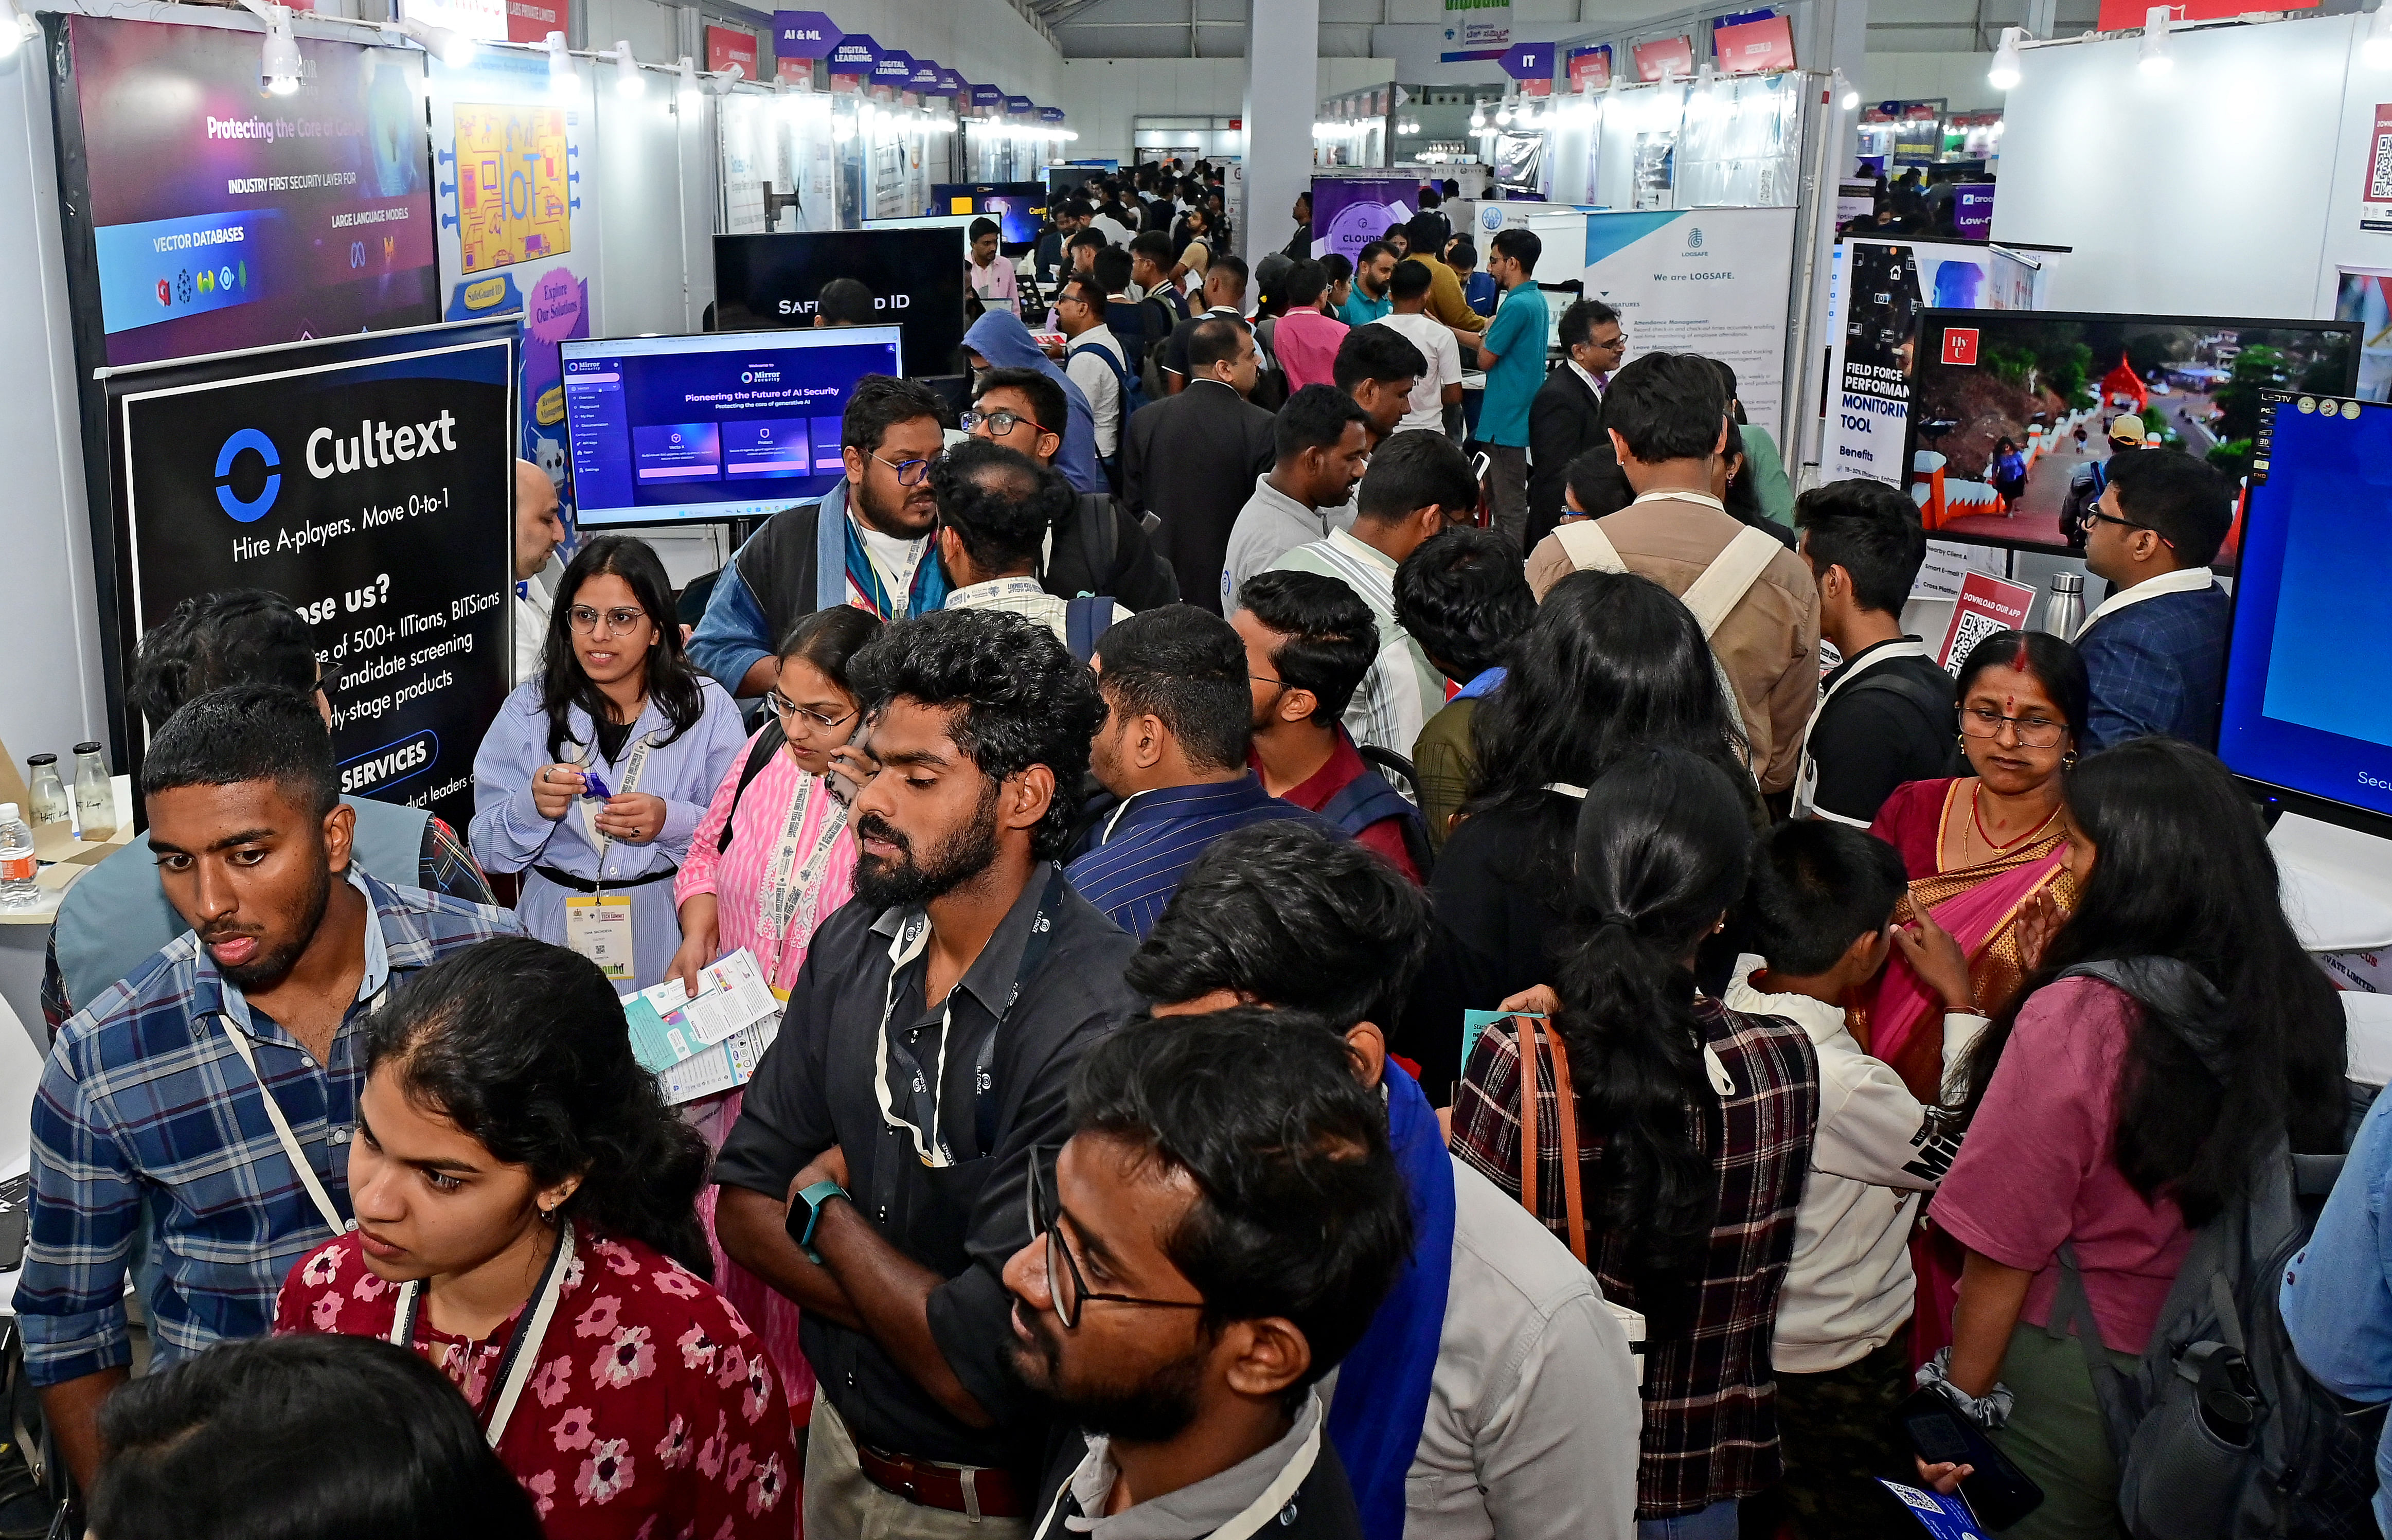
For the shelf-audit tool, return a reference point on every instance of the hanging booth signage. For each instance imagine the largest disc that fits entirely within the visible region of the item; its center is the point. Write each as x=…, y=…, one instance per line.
x=1350, y=213
x=924, y=81
x=853, y=60
x=1528, y=61
x=1590, y=68
x=952, y=84
x=371, y=481
x=1020, y=107
x=1665, y=57
x=892, y=69
x=1754, y=47
x=1052, y=115
x=804, y=34
x=728, y=45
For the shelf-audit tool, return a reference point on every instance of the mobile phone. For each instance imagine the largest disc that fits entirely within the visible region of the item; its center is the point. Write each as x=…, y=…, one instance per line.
x=1997, y=1489
x=843, y=782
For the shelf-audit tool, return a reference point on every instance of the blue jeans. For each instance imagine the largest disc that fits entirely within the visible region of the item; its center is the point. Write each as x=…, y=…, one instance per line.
x=1715, y=1522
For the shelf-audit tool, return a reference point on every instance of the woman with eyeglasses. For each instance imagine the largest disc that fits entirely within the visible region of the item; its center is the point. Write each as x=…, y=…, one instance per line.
x=1984, y=850
x=595, y=773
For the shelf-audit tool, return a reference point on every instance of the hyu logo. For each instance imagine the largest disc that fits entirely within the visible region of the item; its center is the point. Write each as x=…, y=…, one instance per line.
x=251, y=510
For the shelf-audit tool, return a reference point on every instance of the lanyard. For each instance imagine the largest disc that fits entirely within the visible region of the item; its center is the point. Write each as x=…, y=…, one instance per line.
x=282, y=1134
x=1250, y=1520
x=911, y=938
x=630, y=782
x=523, y=1347
x=794, y=885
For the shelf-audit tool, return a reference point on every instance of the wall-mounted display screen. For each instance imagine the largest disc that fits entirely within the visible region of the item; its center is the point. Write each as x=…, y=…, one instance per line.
x=2306, y=712
x=2010, y=408
x=719, y=426
x=220, y=217
x=914, y=278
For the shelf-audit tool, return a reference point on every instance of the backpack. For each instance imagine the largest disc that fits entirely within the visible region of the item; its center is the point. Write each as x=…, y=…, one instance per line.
x=1368, y=798
x=2221, y=1433
x=1133, y=390
x=1937, y=706
x=1086, y=620
x=759, y=754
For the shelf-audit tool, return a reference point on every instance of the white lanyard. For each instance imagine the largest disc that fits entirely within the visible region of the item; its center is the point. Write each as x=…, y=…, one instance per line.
x=290, y=1141
x=911, y=937
x=793, y=885
x=631, y=781
x=523, y=1348
x=1254, y=1515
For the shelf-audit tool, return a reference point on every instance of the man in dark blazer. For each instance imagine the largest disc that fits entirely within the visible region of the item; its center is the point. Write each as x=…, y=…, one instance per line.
x=2155, y=651
x=1565, y=418
x=1192, y=458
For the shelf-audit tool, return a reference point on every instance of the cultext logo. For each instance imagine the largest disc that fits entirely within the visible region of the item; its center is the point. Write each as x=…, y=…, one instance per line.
x=377, y=444
x=253, y=509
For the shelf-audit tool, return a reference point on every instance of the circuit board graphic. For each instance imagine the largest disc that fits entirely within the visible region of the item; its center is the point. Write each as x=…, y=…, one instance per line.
x=514, y=200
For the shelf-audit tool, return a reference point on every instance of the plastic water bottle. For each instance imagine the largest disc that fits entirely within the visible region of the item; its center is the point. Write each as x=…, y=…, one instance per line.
x=95, y=794
x=2063, y=608
x=49, y=793
x=17, y=862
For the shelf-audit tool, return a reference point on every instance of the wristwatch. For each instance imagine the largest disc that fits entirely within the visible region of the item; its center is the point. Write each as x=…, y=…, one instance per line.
x=814, y=1197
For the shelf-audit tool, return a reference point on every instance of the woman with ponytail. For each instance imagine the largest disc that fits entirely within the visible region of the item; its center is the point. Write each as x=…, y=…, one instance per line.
x=2114, y=1111
x=1672, y=1134
x=526, y=1222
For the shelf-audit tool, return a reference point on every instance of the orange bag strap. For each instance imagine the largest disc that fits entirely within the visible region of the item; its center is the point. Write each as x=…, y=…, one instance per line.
x=1566, y=1111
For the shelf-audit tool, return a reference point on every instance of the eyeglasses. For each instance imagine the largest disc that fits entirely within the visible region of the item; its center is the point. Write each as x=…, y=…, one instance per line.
x=619, y=622
x=910, y=472
x=787, y=708
x=1001, y=423
x=2095, y=516
x=1045, y=1210
x=2033, y=731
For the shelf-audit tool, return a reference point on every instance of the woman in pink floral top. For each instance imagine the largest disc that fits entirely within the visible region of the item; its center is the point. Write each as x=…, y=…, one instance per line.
x=526, y=1222
x=788, y=864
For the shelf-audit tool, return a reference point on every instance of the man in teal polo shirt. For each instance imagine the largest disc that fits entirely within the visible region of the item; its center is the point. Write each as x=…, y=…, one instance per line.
x=1374, y=267
x=1513, y=353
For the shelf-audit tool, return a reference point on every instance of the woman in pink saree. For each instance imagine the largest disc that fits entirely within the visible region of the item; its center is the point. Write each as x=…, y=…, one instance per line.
x=1985, y=854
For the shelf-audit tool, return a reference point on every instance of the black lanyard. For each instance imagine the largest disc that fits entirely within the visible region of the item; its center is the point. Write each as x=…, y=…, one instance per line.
x=920, y=1087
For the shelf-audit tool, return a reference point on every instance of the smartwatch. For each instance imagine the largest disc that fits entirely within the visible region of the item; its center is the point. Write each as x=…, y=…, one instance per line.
x=814, y=1197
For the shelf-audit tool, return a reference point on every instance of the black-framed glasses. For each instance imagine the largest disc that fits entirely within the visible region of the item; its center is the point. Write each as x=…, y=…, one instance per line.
x=2095, y=516
x=2033, y=731
x=787, y=708
x=910, y=472
x=1001, y=423
x=619, y=622
x=1046, y=1210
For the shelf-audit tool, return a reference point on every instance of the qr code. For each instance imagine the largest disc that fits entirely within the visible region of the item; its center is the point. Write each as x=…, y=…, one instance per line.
x=1973, y=628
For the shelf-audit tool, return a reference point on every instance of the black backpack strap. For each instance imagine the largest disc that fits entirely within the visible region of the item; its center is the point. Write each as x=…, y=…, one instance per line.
x=1937, y=706
x=759, y=754
x=1099, y=536
x=1368, y=798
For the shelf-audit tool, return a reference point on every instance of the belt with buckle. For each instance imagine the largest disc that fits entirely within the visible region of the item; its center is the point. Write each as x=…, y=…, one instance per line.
x=979, y=1491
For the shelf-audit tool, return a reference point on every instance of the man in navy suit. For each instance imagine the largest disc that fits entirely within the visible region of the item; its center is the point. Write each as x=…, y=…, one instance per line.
x=2155, y=651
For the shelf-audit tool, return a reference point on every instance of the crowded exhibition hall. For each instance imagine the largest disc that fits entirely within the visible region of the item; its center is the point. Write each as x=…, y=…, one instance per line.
x=1195, y=769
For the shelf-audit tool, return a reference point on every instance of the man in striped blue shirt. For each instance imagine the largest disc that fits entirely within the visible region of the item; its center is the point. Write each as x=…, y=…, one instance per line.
x=1178, y=716
x=216, y=1085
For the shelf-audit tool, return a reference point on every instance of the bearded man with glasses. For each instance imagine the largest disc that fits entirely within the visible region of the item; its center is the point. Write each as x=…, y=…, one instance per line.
x=868, y=543
x=1213, y=1240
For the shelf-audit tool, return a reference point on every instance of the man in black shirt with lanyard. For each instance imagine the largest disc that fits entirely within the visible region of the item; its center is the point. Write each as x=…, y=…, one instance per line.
x=879, y=1171
x=1886, y=715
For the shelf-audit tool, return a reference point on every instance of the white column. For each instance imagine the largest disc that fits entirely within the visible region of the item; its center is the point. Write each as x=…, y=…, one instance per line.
x=1282, y=67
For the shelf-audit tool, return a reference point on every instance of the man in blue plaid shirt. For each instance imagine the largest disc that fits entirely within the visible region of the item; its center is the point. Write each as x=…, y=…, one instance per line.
x=2155, y=651
x=218, y=1082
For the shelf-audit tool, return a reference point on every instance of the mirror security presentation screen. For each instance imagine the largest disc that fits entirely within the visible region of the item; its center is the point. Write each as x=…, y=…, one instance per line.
x=2306, y=709
x=726, y=425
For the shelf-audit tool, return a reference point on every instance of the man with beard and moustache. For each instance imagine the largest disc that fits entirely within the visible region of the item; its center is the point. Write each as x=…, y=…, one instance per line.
x=879, y=1171
x=866, y=543
x=217, y=1083
x=1212, y=1241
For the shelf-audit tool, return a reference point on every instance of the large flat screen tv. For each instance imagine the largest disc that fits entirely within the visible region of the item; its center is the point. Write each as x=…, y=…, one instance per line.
x=2009, y=408
x=915, y=279
x=205, y=214
x=723, y=425
x=2307, y=717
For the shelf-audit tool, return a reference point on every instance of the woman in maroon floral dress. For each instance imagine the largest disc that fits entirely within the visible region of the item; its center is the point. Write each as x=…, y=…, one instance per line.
x=526, y=1221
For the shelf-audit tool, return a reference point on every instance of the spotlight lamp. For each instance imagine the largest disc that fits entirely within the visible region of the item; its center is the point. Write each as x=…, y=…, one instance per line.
x=2152, y=55
x=2004, y=72
x=17, y=29
x=279, y=66
x=628, y=79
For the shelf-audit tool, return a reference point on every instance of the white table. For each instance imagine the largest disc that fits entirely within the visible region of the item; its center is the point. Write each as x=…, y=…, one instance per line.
x=25, y=934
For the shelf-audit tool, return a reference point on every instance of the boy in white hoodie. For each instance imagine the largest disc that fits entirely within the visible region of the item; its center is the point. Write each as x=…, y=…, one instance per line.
x=1821, y=905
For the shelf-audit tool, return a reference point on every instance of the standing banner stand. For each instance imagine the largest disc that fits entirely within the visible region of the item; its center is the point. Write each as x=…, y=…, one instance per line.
x=368, y=479
x=1876, y=290
x=1713, y=281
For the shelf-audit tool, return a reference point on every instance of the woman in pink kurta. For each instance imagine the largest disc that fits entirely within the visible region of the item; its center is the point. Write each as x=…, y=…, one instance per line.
x=788, y=864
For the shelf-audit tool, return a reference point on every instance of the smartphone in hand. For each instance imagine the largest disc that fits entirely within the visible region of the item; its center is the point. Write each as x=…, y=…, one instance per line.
x=1997, y=1491
x=851, y=766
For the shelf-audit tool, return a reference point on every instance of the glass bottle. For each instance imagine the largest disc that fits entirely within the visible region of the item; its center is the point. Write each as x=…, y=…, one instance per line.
x=95, y=794
x=48, y=794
